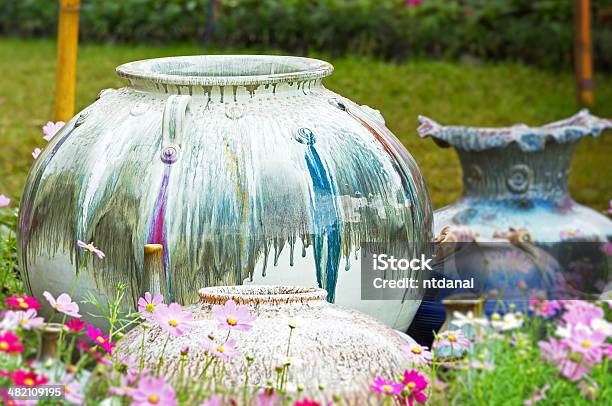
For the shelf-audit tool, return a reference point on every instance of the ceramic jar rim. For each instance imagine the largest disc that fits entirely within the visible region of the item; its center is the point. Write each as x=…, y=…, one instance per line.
x=261, y=294
x=225, y=70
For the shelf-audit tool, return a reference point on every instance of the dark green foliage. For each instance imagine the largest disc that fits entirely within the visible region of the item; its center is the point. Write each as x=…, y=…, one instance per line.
x=535, y=31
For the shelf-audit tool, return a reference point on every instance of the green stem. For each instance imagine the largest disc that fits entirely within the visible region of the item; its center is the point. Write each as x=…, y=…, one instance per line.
x=161, y=357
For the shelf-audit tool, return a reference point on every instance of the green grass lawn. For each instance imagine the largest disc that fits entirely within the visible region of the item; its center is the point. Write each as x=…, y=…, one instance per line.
x=476, y=94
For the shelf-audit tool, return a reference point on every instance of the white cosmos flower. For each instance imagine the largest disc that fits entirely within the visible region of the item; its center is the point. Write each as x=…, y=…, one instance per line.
x=462, y=319
x=510, y=321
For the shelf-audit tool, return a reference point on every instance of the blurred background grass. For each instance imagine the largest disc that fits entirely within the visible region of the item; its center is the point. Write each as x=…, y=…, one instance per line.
x=461, y=92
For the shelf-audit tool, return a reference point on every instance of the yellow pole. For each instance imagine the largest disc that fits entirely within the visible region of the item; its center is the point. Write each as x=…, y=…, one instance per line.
x=67, y=45
x=584, y=53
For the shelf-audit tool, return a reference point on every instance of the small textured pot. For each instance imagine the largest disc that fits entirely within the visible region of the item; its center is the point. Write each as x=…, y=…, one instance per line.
x=341, y=349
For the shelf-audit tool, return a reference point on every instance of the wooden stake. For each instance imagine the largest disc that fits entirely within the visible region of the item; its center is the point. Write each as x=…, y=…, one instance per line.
x=67, y=45
x=154, y=279
x=583, y=53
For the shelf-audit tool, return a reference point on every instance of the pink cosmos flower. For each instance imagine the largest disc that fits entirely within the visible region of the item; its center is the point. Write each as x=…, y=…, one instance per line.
x=4, y=201
x=587, y=343
x=538, y=394
x=581, y=312
x=95, y=335
x=224, y=350
x=28, y=378
x=36, y=153
x=153, y=392
x=216, y=400
x=75, y=325
x=557, y=352
x=544, y=308
x=63, y=304
x=91, y=248
x=173, y=319
x=10, y=343
x=452, y=338
x=29, y=319
x=233, y=317
x=51, y=128
x=417, y=354
x=148, y=304
x=22, y=302
x=387, y=387
x=267, y=397
x=72, y=390
x=125, y=387
x=414, y=387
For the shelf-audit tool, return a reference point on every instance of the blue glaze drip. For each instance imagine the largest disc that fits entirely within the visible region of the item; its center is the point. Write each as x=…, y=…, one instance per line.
x=326, y=223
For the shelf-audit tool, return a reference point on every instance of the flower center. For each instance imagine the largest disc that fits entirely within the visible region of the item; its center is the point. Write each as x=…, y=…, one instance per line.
x=416, y=350
x=100, y=339
x=28, y=381
x=150, y=307
x=24, y=322
x=231, y=321
x=387, y=388
x=411, y=385
x=154, y=399
x=22, y=304
x=4, y=345
x=452, y=338
x=67, y=389
x=173, y=323
x=220, y=348
x=586, y=344
x=543, y=309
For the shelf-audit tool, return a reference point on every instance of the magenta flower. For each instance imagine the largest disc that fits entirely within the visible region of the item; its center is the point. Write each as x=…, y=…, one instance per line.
x=148, y=304
x=233, y=317
x=91, y=248
x=22, y=302
x=36, y=153
x=413, y=3
x=417, y=354
x=538, y=394
x=10, y=343
x=414, y=387
x=29, y=319
x=452, y=338
x=173, y=319
x=544, y=308
x=51, y=128
x=224, y=350
x=4, y=201
x=75, y=325
x=387, y=387
x=95, y=335
x=63, y=304
x=153, y=392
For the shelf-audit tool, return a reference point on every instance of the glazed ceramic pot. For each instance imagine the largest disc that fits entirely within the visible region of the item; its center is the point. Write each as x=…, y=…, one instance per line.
x=336, y=347
x=514, y=211
x=516, y=177
x=244, y=168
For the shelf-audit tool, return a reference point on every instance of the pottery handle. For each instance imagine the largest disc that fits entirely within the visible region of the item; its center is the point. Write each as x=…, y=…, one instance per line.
x=154, y=280
x=173, y=124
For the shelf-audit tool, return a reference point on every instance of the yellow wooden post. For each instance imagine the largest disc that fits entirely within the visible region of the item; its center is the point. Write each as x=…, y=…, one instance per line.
x=67, y=45
x=583, y=50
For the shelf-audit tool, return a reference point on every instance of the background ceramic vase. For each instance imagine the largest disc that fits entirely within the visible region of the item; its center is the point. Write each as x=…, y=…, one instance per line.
x=244, y=168
x=341, y=349
x=514, y=187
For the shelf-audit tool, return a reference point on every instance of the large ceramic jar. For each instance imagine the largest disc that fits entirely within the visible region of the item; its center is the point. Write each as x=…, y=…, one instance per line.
x=242, y=167
x=516, y=177
x=340, y=349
